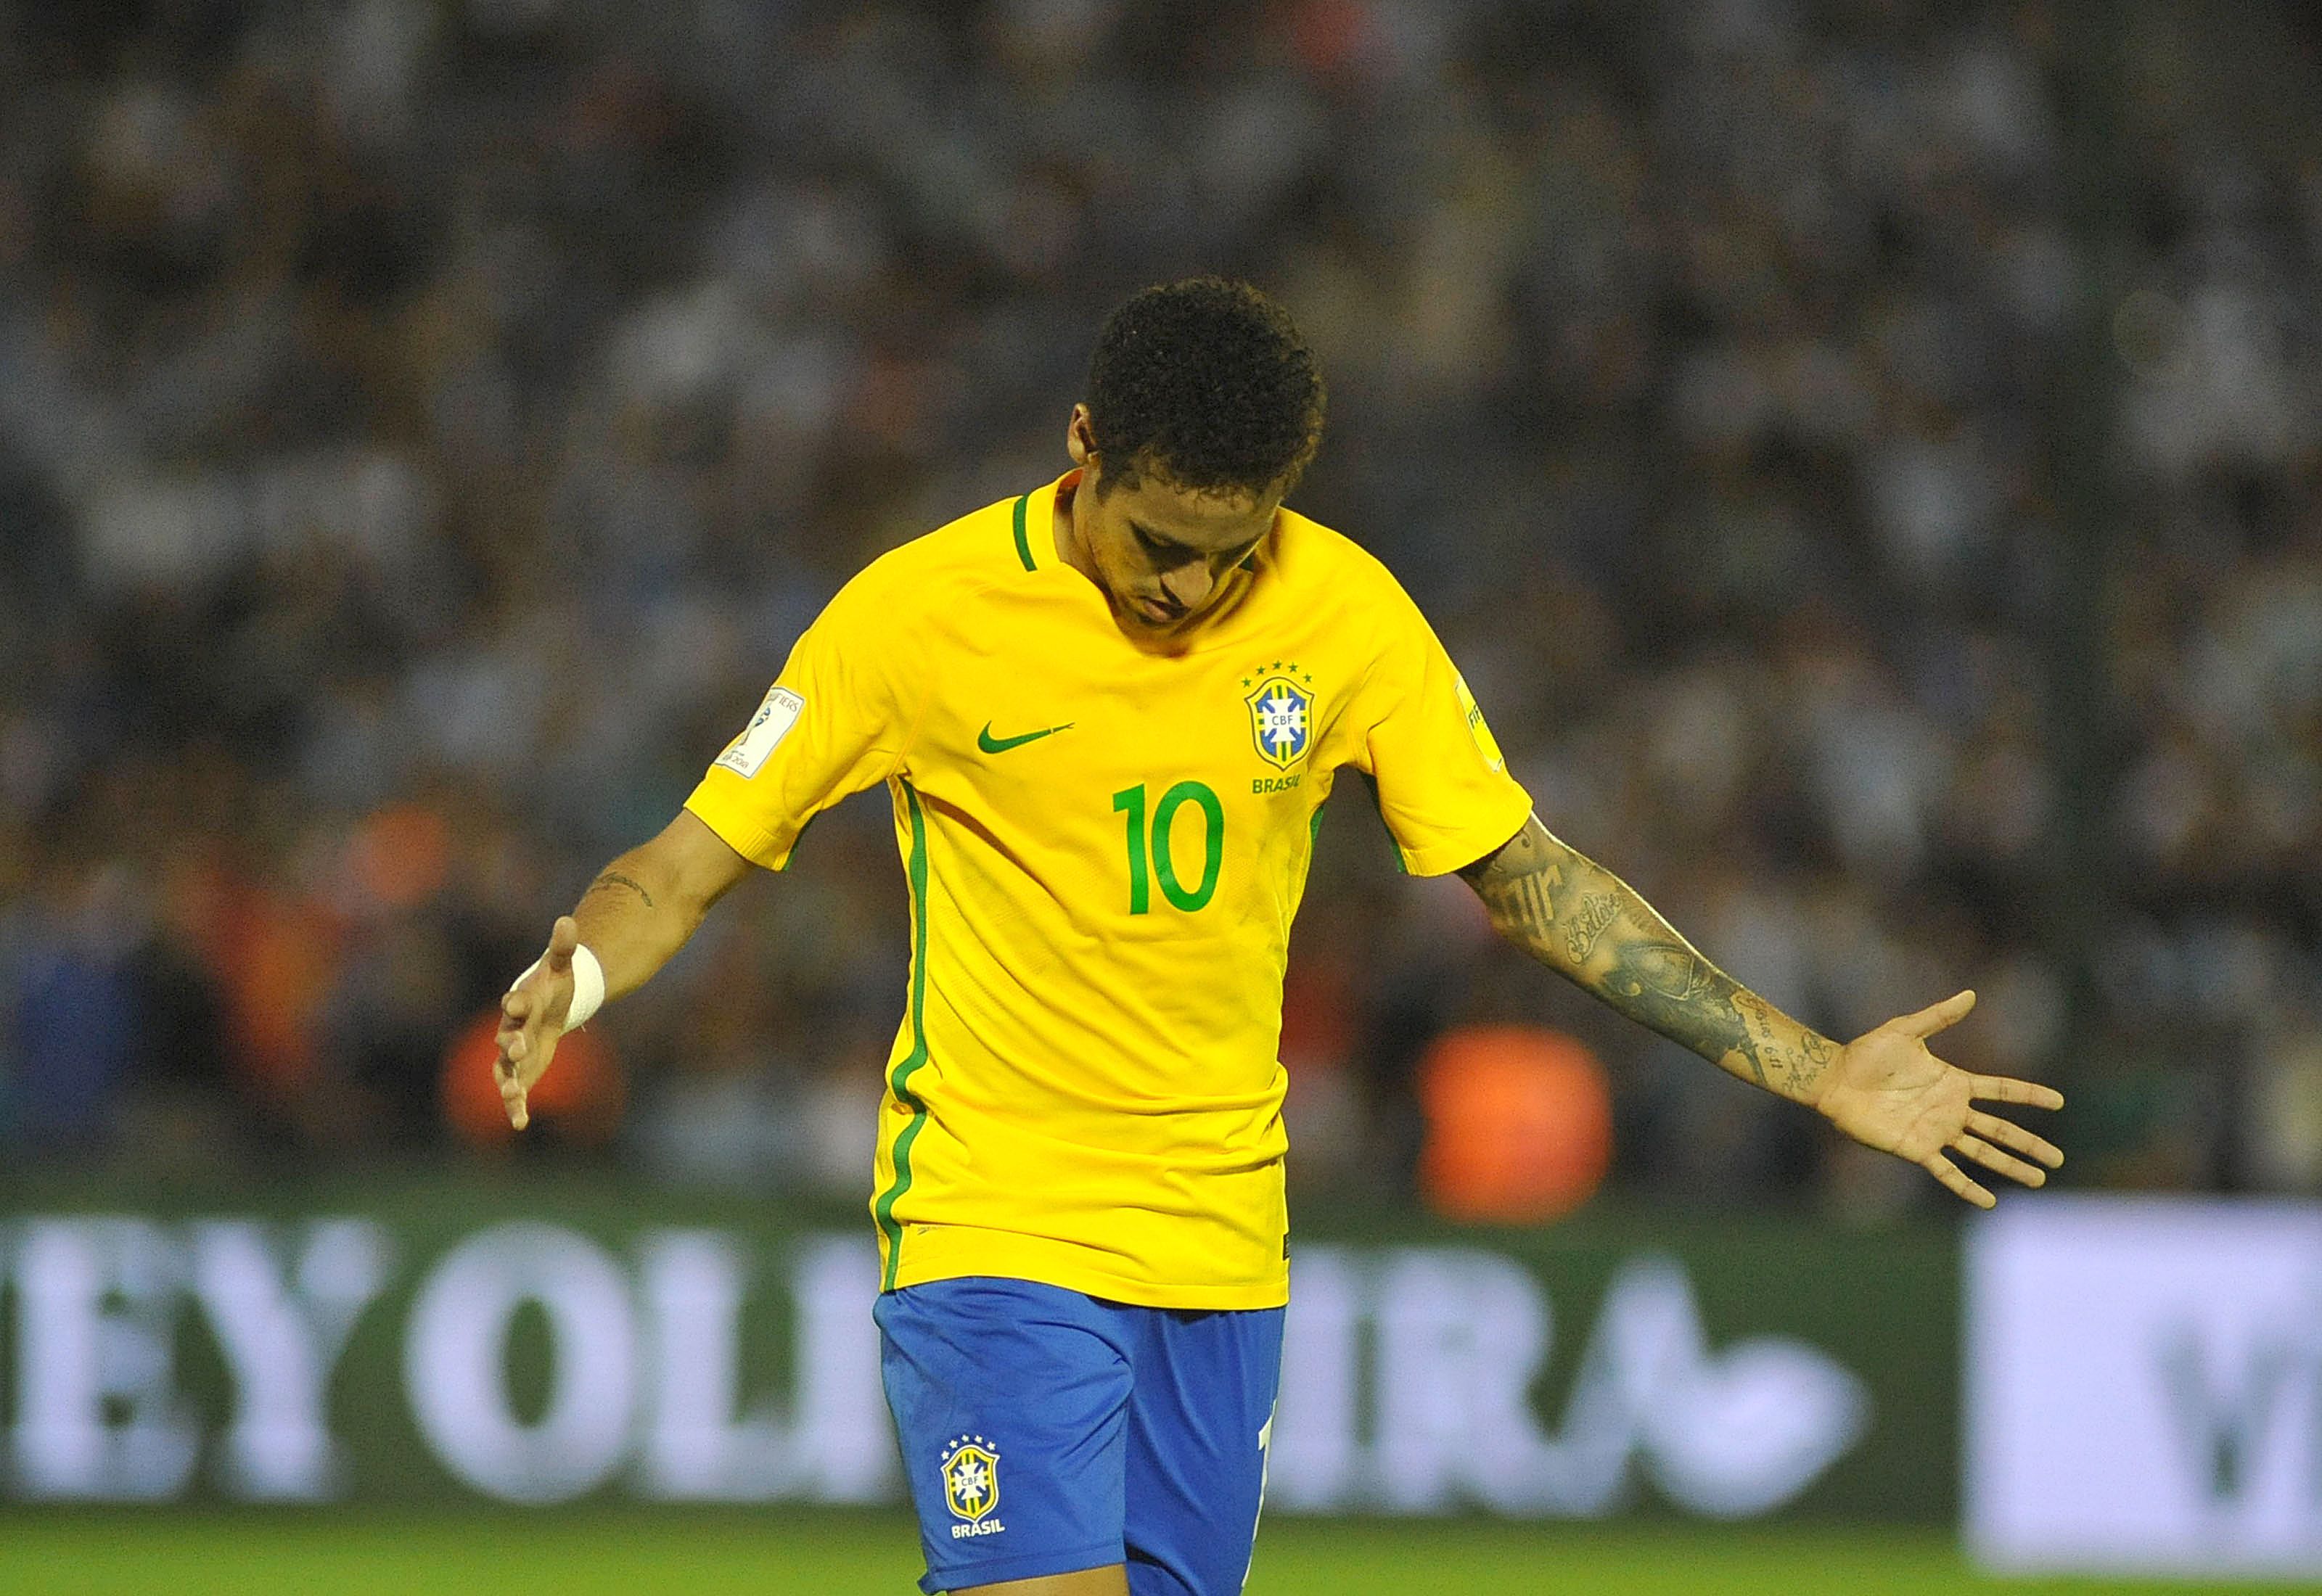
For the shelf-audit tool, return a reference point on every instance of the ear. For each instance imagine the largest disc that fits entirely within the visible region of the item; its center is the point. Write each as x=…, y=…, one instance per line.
x=1079, y=437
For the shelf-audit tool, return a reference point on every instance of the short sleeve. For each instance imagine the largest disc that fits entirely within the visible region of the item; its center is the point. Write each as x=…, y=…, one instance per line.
x=835, y=721
x=1443, y=786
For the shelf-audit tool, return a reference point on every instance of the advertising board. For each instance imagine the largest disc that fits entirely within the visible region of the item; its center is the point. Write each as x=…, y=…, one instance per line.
x=2144, y=1384
x=418, y=1352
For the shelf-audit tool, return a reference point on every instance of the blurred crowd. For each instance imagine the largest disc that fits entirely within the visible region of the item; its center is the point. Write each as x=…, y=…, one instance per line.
x=1862, y=454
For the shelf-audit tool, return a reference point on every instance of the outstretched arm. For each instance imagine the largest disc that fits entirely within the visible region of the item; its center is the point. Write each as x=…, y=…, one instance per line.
x=1885, y=1089
x=634, y=917
x=1590, y=926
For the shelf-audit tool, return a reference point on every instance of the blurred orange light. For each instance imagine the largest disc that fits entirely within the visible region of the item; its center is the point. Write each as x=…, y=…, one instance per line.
x=1519, y=1125
x=400, y=856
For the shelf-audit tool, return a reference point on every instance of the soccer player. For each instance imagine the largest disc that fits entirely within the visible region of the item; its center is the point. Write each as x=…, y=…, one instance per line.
x=1107, y=713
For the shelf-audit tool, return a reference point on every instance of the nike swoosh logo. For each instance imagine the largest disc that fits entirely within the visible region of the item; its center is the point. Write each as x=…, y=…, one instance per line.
x=991, y=745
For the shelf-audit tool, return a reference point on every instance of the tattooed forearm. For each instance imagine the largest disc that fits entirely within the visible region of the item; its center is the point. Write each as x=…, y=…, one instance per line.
x=1519, y=885
x=1528, y=901
x=1598, y=911
x=1590, y=926
x=1669, y=988
x=1758, y=1043
x=613, y=878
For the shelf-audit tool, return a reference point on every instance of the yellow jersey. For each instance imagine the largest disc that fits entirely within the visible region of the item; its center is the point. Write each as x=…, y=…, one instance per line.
x=1105, y=841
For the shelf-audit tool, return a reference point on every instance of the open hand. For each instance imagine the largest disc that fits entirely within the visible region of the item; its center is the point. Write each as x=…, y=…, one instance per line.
x=1887, y=1092
x=532, y=1018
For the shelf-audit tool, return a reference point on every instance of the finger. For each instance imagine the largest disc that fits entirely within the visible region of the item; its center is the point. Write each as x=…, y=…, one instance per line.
x=561, y=940
x=518, y=1115
x=2001, y=1164
x=2005, y=1089
x=516, y=1005
x=1991, y=1127
x=1956, y=1183
x=1935, y=1016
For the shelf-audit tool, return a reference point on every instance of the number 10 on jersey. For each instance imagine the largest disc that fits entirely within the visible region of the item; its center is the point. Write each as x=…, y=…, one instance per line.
x=1153, y=855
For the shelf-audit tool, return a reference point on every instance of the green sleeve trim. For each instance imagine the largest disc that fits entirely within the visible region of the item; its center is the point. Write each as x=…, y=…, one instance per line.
x=1023, y=544
x=790, y=858
x=884, y=1208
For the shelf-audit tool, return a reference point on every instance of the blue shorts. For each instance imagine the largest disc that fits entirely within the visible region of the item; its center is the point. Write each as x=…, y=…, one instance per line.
x=1044, y=1430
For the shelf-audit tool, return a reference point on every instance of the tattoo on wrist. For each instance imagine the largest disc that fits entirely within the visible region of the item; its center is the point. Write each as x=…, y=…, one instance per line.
x=1799, y=1065
x=1818, y=1053
x=613, y=878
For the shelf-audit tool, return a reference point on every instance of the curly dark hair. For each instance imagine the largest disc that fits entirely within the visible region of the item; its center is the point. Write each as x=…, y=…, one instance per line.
x=1206, y=383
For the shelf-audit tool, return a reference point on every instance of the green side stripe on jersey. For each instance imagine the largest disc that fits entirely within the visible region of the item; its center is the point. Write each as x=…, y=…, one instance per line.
x=798, y=841
x=1393, y=847
x=883, y=1210
x=1023, y=544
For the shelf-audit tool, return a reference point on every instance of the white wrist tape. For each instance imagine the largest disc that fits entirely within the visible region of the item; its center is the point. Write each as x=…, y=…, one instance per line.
x=588, y=986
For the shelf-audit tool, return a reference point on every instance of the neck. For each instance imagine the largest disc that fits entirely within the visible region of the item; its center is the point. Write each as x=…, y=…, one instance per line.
x=1065, y=529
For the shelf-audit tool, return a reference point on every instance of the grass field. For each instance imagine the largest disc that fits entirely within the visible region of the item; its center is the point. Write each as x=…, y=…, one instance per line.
x=873, y=1555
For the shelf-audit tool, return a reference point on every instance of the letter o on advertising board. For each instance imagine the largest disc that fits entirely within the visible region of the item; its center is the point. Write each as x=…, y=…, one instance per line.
x=454, y=1357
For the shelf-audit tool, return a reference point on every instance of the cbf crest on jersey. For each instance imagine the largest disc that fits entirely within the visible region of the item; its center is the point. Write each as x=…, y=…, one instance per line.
x=1281, y=712
x=971, y=1482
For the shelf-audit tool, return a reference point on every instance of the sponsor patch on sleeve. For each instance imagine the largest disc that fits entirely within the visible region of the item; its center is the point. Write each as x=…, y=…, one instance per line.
x=746, y=755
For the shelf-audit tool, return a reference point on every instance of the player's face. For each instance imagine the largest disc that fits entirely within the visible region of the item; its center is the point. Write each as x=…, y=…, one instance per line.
x=1161, y=553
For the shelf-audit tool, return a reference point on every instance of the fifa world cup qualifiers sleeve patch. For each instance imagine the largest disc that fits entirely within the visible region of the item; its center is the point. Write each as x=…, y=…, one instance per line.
x=746, y=755
x=1486, y=744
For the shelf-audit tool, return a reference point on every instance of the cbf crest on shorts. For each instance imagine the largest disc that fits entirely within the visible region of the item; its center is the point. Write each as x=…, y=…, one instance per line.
x=1280, y=713
x=971, y=1482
